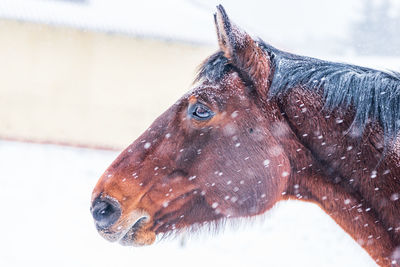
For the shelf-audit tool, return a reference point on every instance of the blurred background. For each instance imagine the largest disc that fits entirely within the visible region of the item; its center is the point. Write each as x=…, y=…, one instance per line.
x=80, y=74
x=97, y=72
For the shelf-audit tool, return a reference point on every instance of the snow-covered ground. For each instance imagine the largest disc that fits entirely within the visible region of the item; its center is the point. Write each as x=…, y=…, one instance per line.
x=45, y=221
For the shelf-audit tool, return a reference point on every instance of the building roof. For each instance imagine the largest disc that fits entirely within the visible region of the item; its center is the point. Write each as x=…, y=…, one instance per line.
x=304, y=27
x=175, y=20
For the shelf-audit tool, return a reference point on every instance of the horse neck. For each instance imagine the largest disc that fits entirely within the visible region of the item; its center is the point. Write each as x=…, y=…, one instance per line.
x=345, y=176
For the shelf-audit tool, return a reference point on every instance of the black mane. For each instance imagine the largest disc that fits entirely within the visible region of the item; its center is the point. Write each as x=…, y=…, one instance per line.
x=375, y=95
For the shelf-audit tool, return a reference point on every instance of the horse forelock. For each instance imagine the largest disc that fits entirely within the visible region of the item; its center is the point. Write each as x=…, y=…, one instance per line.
x=213, y=68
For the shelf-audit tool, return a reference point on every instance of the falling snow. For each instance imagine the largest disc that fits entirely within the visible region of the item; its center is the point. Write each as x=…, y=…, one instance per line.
x=147, y=145
x=284, y=174
x=339, y=121
x=229, y=129
x=395, y=197
x=266, y=162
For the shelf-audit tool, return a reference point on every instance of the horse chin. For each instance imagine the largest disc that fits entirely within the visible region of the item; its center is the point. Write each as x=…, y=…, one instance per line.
x=138, y=235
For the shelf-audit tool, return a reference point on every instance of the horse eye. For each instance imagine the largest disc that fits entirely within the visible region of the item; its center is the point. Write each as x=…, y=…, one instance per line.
x=200, y=112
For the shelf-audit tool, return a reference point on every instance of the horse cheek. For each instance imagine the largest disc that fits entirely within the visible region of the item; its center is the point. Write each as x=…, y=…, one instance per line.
x=252, y=194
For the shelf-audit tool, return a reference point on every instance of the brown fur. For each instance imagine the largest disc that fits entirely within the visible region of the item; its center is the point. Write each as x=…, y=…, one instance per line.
x=251, y=154
x=339, y=180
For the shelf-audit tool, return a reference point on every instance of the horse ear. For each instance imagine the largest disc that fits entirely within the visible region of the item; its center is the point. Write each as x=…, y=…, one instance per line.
x=243, y=52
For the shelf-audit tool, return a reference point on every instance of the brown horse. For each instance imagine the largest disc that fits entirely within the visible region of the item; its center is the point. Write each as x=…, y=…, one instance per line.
x=260, y=126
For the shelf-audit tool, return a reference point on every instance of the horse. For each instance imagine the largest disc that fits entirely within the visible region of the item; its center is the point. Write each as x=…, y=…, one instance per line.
x=261, y=126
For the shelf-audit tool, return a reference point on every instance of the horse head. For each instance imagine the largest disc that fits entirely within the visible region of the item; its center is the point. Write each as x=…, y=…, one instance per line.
x=213, y=155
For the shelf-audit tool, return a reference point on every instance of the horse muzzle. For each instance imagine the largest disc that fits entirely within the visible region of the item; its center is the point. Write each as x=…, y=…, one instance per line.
x=130, y=230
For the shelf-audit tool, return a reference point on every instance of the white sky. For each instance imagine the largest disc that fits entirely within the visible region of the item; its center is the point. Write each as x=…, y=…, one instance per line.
x=192, y=19
x=292, y=19
x=311, y=27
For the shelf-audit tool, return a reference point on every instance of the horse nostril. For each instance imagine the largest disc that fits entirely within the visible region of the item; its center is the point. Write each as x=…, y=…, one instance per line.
x=105, y=212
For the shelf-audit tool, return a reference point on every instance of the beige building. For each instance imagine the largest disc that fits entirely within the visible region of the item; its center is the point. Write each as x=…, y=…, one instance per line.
x=98, y=72
x=62, y=84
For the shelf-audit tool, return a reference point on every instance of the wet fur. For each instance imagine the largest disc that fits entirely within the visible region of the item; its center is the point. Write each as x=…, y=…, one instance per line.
x=326, y=140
